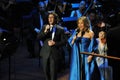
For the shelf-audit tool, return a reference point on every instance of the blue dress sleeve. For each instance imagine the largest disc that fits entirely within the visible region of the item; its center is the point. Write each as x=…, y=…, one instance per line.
x=93, y=45
x=71, y=38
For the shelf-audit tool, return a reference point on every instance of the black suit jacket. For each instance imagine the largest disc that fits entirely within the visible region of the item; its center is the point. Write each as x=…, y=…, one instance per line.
x=59, y=39
x=113, y=43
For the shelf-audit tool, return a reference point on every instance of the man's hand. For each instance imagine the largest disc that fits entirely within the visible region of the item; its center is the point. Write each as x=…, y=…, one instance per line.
x=51, y=43
x=47, y=28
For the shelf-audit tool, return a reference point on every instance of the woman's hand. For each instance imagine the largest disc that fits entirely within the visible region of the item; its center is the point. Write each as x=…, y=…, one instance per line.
x=89, y=58
x=74, y=38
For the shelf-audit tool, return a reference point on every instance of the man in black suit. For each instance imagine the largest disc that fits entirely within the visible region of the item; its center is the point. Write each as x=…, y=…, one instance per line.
x=113, y=43
x=52, y=36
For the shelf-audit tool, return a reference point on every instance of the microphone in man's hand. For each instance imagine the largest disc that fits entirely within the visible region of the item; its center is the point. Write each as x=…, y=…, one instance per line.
x=50, y=27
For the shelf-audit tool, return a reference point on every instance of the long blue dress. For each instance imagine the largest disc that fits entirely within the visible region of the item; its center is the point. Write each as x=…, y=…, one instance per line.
x=88, y=71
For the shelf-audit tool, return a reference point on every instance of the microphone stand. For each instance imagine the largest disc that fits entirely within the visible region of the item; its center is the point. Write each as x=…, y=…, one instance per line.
x=80, y=60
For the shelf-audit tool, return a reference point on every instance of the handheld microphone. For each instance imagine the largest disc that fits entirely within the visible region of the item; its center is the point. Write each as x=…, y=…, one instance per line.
x=50, y=27
x=82, y=33
x=77, y=31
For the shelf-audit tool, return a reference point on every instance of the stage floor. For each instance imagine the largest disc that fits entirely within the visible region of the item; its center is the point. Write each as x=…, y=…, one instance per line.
x=20, y=67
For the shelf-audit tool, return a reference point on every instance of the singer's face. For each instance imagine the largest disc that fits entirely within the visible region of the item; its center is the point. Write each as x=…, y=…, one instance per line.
x=51, y=19
x=80, y=24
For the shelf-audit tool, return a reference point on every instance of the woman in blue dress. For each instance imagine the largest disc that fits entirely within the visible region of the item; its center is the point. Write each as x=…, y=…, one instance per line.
x=83, y=67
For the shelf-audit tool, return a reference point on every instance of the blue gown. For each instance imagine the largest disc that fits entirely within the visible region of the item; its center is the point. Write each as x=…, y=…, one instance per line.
x=88, y=70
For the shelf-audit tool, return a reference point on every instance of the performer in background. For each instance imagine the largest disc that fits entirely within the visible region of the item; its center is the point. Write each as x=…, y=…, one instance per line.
x=53, y=39
x=102, y=49
x=83, y=67
x=105, y=69
x=38, y=17
x=79, y=12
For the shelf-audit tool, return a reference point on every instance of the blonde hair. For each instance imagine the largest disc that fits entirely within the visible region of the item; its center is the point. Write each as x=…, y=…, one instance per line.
x=86, y=22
